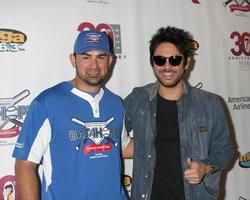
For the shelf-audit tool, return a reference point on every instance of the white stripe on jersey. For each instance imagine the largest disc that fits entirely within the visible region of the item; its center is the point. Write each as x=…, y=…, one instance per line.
x=93, y=101
x=40, y=148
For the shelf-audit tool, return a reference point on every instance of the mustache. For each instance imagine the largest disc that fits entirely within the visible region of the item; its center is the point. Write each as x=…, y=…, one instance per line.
x=93, y=70
x=167, y=71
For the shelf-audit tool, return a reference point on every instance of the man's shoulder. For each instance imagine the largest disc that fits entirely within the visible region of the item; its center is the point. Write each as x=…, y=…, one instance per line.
x=110, y=93
x=143, y=89
x=202, y=94
x=53, y=91
x=141, y=94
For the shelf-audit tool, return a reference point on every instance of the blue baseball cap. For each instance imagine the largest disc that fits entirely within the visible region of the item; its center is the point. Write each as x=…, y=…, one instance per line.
x=91, y=40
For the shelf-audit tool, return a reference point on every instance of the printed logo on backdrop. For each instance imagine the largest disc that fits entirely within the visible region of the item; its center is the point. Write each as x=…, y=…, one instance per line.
x=240, y=51
x=238, y=103
x=127, y=182
x=199, y=85
x=244, y=160
x=196, y=1
x=112, y=30
x=8, y=188
x=12, y=113
x=194, y=45
x=99, y=1
x=11, y=40
x=240, y=7
x=243, y=198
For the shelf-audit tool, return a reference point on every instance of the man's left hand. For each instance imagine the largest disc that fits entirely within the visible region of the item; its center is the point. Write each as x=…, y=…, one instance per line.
x=196, y=171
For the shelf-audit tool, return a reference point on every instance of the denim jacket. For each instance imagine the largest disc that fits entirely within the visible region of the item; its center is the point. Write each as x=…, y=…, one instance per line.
x=204, y=136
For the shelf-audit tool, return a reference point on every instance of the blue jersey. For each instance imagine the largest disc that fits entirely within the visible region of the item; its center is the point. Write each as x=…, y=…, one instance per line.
x=77, y=140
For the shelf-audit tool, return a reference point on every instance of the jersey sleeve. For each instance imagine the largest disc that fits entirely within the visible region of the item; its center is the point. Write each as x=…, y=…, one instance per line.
x=35, y=135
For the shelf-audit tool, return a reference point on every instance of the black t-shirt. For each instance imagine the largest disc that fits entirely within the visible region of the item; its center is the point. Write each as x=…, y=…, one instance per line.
x=168, y=176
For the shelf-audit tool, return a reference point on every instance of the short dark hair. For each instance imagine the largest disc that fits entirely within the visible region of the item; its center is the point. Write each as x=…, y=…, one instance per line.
x=183, y=41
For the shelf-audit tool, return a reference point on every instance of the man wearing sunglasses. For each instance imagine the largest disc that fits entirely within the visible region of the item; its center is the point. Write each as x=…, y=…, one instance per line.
x=181, y=136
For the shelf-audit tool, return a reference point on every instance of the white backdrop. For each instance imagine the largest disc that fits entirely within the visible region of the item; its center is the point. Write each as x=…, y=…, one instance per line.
x=36, y=38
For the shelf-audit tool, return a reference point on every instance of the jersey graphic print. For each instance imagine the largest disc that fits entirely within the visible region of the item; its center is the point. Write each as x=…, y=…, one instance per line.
x=96, y=132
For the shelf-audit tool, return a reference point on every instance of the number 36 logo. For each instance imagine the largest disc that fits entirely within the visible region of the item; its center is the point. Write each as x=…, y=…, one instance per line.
x=242, y=43
x=113, y=31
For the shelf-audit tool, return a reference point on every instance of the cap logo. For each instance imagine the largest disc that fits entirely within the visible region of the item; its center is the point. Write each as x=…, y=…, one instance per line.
x=90, y=41
x=93, y=38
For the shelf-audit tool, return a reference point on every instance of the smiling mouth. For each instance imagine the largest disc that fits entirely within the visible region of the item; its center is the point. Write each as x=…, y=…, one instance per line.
x=93, y=74
x=167, y=72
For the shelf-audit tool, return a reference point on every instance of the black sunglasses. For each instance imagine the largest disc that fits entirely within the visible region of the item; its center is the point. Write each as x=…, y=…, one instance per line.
x=173, y=60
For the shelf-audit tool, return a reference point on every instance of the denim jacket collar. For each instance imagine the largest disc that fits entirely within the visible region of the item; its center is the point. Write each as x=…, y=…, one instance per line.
x=152, y=91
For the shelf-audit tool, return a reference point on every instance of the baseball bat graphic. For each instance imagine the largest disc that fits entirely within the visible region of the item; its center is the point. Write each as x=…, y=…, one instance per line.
x=8, y=102
x=16, y=122
x=3, y=124
x=15, y=99
x=78, y=122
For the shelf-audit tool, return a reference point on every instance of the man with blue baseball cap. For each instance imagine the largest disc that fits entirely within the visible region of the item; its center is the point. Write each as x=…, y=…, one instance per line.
x=92, y=40
x=75, y=131
x=92, y=59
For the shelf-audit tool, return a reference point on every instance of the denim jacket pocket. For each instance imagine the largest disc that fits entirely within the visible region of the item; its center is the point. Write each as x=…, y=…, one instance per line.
x=210, y=186
x=200, y=136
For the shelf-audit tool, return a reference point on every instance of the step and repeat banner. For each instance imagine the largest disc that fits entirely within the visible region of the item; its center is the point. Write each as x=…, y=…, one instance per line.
x=36, y=38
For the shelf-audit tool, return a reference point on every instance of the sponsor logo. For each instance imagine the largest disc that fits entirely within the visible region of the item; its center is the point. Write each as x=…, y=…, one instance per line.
x=112, y=30
x=11, y=40
x=239, y=102
x=244, y=160
x=240, y=52
x=240, y=5
x=8, y=188
x=11, y=114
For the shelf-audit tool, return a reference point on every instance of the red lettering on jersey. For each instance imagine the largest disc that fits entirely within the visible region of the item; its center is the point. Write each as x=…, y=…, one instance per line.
x=97, y=147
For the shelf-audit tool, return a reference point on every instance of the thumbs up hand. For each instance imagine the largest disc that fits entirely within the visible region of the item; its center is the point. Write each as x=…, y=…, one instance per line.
x=196, y=171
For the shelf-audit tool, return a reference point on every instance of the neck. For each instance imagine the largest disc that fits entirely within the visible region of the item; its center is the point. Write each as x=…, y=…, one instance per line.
x=86, y=88
x=171, y=93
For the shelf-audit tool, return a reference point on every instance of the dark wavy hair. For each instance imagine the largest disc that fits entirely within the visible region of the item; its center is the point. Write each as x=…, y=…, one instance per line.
x=182, y=40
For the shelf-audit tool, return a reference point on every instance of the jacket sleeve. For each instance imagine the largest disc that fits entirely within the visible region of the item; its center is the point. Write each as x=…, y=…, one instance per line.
x=128, y=112
x=221, y=149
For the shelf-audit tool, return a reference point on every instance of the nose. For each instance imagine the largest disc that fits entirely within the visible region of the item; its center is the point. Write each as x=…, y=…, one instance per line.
x=167, y=64
x=94, y=63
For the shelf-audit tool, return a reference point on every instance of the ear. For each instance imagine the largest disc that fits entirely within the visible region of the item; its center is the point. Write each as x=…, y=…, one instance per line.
x=188, y=62
x=72, y=59
x=110, y=59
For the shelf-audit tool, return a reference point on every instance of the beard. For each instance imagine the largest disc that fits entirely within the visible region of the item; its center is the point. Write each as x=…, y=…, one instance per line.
x=174, y=83
x=92, y=77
